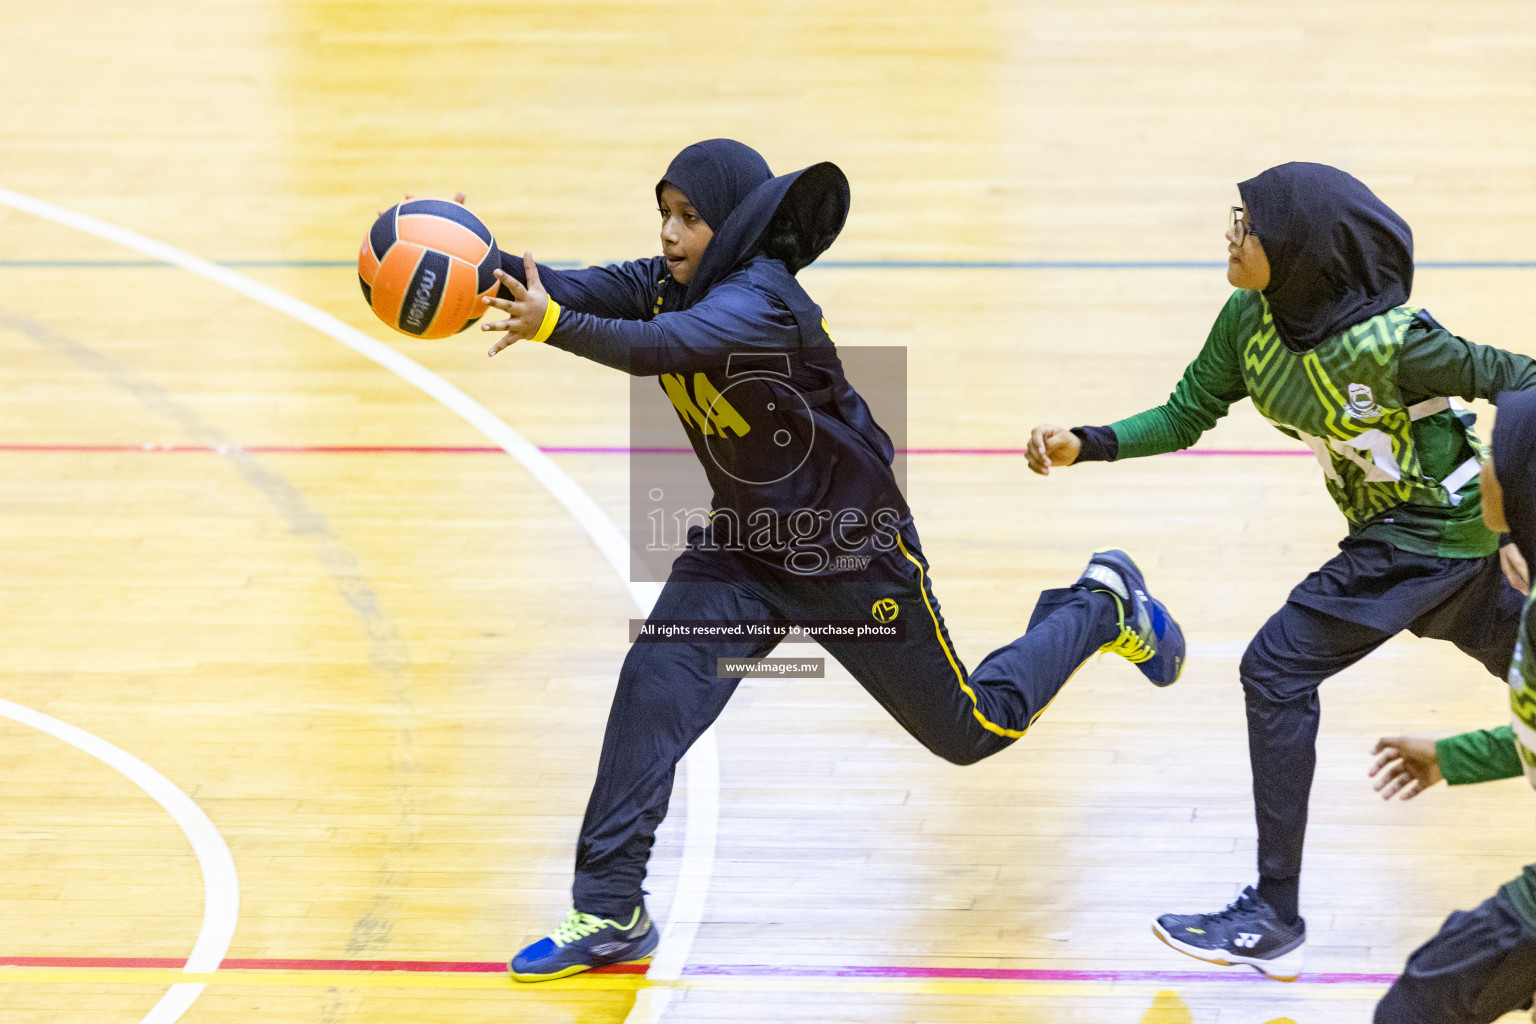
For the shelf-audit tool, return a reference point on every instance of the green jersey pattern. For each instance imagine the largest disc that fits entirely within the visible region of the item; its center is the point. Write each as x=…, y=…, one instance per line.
x=1342, y=399
x=1375, y=403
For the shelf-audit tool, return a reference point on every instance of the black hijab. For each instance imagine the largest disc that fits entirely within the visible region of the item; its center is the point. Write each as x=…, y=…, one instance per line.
x=1337, y=254
x=1514, y=463
x=793, y=218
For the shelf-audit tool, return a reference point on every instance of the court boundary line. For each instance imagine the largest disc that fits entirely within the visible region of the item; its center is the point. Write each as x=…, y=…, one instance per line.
x=845, y=971
x=1260, y=989
x=221, y=882
x=701, y=764
x=873, y=264
x=155, y=448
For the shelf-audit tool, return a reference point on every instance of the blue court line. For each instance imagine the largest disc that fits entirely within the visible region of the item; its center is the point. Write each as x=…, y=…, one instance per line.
x=824, y=264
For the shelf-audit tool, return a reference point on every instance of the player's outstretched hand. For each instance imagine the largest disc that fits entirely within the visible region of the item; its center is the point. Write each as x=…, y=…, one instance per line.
x=525, y=310
x=1515, y=569
x=1050, y=445
x=1406, y=765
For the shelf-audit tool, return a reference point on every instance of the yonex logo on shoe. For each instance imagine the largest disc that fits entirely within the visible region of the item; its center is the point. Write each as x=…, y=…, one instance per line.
x=606, y=948
x=1246, y=940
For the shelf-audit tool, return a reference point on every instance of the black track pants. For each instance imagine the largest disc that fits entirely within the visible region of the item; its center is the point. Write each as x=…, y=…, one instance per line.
x=1478, y=967
x=1352, y=605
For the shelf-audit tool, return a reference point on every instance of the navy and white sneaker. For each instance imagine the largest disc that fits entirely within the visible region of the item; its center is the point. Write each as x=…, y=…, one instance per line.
x=1149, y=637
x=585, y=941
x=1247, y=932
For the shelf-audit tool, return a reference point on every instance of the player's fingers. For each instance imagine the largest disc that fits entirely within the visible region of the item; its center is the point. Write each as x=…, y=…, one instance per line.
x=1413, y=789
x=459, y=198
x=531, y=271
x=1386, y=758
x=503, y=343
x=498, y=302
x=513, y=284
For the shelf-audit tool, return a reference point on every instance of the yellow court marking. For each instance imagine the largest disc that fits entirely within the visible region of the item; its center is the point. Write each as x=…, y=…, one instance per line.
x=630, y=983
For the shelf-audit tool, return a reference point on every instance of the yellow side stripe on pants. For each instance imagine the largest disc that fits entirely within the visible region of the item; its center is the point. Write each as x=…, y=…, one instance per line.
x=922, y=584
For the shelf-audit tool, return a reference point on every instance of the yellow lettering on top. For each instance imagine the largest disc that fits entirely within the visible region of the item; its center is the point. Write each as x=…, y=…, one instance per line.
x=717, y=414
x=723, y=415
x=677, y=391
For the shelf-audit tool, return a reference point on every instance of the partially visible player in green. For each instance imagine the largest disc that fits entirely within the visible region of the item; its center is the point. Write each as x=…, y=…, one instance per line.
x=1482, y=963
x=1319, y=335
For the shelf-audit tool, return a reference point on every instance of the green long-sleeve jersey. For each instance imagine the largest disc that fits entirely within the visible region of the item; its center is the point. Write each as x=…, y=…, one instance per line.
x=1374, y=402
x=1484, y=755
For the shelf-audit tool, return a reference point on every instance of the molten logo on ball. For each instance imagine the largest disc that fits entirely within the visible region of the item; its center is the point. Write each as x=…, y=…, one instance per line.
x=425, y=265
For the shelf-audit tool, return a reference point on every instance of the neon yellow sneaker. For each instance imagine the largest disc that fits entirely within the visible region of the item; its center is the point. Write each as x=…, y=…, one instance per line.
x=585, y=941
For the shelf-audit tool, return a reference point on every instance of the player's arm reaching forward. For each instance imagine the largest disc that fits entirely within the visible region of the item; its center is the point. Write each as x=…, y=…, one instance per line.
x=621, y=291
x=1210, y=385
x=733, y=317
x=1434, y=363
x=642, y=317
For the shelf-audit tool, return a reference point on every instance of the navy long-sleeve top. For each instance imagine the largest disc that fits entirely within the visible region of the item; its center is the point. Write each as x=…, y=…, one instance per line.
x=761, y=393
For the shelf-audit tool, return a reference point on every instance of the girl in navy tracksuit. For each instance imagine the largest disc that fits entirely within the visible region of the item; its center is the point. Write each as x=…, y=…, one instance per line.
x=801, y=475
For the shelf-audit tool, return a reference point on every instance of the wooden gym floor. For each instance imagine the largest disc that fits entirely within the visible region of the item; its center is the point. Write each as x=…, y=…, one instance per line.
x=253, y=575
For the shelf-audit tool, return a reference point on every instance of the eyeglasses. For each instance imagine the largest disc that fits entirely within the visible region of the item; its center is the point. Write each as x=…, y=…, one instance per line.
x=1243, y=228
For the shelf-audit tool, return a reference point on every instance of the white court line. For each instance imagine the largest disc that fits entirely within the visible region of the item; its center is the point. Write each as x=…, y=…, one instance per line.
x=221, y=886
x=701, y=765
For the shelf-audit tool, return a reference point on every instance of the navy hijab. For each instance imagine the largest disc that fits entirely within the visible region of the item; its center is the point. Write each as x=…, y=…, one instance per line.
x=1337, y=254
x=1514, y=463
x=793, y=218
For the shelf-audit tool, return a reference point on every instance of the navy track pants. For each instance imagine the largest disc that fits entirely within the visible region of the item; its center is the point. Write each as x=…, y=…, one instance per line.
x=668, y=693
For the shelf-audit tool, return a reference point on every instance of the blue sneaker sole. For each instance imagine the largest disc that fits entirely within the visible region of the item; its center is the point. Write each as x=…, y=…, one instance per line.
x=640, y=953
x=566, y=972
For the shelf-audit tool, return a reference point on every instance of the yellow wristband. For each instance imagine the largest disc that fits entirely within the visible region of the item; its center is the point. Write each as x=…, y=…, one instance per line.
x=551, y=316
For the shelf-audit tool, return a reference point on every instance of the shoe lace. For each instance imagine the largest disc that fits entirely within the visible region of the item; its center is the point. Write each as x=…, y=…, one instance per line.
x=1129, y=644
x=577, y=926
x=1242, y=905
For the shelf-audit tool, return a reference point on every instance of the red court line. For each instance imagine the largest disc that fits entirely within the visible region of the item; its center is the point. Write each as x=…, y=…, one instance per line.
x=448, y=449
x=704, y=970
x=287, y=964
